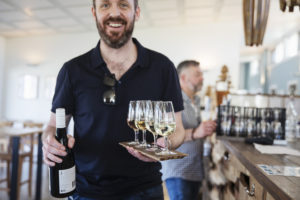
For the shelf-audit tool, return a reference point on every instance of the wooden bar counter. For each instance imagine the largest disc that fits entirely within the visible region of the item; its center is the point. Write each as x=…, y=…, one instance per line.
x=245, y=180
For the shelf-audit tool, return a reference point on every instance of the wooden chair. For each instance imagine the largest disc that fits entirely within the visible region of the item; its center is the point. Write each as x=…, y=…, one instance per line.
x=5, y=123
x=23, y=154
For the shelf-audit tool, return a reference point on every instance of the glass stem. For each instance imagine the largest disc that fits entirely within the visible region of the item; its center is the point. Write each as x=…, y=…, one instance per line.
x=136, y=136
x=155, y=140
x=166, y=144
x=144, y=137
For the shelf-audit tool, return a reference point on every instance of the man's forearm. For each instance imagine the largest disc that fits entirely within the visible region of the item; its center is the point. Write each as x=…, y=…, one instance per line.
x=177, y=138
x=50, y=130
x=188, y=136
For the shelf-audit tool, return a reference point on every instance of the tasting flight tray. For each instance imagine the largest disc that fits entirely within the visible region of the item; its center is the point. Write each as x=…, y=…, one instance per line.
x=151, y=154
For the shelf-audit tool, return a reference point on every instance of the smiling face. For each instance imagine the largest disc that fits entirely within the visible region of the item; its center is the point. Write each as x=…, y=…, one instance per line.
x=115, y=20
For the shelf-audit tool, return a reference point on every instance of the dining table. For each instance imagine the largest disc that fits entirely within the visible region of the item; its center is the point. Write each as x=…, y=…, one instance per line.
x=15, y=135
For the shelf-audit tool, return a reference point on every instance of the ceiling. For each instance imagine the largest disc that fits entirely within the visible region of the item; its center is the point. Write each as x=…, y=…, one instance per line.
x=35, y=17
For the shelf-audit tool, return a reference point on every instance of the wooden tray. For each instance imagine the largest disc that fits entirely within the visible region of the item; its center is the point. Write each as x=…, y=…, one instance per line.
x=152, y=154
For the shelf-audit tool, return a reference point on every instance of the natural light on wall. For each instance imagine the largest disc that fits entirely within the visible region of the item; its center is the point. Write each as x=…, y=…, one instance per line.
x=28, y=87
x=278, y=54
x=289, y=47
x=254, y=68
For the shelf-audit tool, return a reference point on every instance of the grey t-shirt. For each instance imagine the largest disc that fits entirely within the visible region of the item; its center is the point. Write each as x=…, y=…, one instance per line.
x=190, y=167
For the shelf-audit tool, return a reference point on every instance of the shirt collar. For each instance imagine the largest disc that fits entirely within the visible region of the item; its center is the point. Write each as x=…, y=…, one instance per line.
x=186, y=98
x=141, y=61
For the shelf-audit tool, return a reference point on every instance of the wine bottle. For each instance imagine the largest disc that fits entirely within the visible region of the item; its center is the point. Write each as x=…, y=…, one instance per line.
x=62, y=181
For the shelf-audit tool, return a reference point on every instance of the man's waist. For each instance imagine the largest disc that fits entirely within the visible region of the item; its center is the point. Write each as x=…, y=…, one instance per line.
x=114, y=187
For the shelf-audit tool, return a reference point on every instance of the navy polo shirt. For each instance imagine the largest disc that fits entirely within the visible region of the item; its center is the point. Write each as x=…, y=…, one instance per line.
x=104, y=169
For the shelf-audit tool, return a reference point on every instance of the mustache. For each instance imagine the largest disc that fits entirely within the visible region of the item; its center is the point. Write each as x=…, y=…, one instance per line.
x=115, y=19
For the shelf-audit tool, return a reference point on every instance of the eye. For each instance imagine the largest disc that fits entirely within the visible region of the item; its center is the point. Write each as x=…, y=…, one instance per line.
x=104, y=5
x=123, y=5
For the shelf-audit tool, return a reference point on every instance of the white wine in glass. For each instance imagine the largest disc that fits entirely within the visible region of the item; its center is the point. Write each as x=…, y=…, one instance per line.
x=166, y=125
x=140, y=112
x=150, y=123
x=131, y=122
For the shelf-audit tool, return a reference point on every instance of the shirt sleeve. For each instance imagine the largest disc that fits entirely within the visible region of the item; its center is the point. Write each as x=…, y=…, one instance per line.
x=172, y=90
x=63, y=96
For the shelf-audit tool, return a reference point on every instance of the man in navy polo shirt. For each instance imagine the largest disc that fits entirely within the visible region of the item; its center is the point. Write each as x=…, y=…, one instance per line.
x=95, y=89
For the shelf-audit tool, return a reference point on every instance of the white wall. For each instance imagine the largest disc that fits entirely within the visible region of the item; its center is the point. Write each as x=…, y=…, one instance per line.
x=2, y=56
x=212, y=45
x=51, y=52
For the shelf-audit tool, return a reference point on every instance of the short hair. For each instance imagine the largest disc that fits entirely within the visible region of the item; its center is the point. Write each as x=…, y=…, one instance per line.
x=186, y=64
x=136, y=3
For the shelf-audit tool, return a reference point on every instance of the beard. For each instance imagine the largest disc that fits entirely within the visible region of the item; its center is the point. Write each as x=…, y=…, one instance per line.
x=195, y=88
x=115, y=40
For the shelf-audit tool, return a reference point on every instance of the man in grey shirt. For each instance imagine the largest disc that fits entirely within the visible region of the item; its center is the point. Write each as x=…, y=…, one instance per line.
x=183, y=176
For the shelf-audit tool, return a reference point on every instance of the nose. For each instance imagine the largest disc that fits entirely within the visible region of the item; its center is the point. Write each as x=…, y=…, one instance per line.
x=115, y=11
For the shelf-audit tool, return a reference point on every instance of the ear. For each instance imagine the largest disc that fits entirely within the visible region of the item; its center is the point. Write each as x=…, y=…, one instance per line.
x=94, y=12
x=137, y=13
x=182, y=77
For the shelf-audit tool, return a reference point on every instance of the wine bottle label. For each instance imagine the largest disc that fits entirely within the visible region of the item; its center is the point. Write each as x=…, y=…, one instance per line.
x=67, y=182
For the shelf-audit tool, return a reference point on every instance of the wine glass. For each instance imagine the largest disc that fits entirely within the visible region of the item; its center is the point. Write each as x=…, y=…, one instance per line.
x=150, y=121
x=131, y=122
x=165, y=124
x=140, y=114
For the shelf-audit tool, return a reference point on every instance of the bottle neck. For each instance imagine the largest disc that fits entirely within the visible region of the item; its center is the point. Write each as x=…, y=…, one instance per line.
x=61, y=135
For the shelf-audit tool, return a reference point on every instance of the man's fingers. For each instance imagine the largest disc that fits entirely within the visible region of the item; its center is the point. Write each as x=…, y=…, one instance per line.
x=161, y=142
x=48, y=162
x=53, y=142
x=53, y=150
x=139, y=155
x=51, y=157
x=71, y=141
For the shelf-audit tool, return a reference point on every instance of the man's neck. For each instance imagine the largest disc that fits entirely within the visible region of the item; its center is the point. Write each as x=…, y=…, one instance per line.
x=189, y=93
x=119, y=60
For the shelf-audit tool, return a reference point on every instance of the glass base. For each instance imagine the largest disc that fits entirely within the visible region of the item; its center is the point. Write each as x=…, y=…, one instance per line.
x=143, y=145
x=134, y=143
x=165, y=152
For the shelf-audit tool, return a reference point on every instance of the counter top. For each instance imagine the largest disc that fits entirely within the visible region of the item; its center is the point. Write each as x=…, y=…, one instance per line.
x=280, y=187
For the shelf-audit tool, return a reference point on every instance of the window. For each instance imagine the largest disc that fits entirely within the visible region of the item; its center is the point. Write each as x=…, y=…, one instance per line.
x=278, y=53
x=291, y=45
x=254, y=68
x=28, y=87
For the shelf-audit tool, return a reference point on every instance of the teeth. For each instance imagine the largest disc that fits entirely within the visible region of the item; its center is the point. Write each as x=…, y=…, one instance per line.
x=115, y=25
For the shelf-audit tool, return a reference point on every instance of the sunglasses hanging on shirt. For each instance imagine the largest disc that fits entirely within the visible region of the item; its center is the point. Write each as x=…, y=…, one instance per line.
x=109, y=96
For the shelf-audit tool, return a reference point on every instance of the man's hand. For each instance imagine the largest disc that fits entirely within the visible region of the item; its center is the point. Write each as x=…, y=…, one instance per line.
x=206, y=128
x=52, y=149
x=138, y=155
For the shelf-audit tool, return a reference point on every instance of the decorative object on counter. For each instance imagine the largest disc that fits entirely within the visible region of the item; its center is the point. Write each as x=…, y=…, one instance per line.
x=251, y=122
x=256, y=14
x=209, y=104
x=290, y=4
x=223, y=85
x=291, y=115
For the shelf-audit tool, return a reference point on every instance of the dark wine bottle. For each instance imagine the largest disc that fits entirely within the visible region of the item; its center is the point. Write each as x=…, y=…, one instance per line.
x=62, y=181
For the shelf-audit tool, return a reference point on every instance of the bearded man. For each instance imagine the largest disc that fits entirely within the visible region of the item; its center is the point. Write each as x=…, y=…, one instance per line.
x=183, y=177
x=95, y=89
